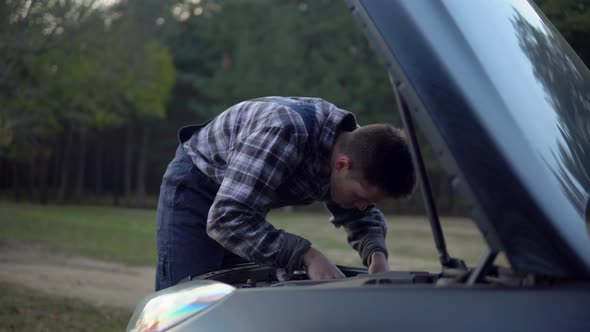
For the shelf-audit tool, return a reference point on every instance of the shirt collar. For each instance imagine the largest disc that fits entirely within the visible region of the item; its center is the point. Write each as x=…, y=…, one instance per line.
x=337, y=120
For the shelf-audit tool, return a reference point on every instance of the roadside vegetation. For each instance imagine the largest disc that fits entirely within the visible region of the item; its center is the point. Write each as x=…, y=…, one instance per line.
x=111, y=234
x=128, y=236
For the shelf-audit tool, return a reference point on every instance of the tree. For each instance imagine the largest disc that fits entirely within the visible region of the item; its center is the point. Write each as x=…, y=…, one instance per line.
x=31, y=33
x=79, y=70
x=572, y=19
x=27, y=30
x=250, y=49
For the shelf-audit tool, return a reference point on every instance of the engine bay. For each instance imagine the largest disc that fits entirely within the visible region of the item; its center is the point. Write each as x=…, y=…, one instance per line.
x=252, y=275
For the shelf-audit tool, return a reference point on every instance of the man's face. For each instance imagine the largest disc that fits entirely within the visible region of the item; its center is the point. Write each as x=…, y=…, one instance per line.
x=349, y=192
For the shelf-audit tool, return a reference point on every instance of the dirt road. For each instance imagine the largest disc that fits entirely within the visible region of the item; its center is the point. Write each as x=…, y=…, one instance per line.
x=96, y=282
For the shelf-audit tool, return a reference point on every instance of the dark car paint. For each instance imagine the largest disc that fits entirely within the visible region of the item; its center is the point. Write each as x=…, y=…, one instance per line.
x=506, y=110
x=409, y=308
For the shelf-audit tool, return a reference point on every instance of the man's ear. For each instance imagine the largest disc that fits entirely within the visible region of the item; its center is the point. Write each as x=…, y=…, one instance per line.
x=342, y=163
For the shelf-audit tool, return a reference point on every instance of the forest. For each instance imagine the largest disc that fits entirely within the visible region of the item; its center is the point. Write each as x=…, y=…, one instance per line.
x=92, y=92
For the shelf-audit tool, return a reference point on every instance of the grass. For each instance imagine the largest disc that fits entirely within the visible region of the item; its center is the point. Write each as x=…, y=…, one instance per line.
x=128, y=236
x=409, y=239
x=112, y=234
x=23, y=309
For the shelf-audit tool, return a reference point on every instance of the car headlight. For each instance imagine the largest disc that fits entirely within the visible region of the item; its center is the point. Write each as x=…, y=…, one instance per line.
x=169, y=307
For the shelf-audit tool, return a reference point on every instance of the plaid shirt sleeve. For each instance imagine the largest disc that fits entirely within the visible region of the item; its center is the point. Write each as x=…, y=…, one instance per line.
x=257, y=165
x=366, y=230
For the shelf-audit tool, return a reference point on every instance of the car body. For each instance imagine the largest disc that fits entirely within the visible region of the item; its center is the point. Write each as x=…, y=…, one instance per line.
x=505, y=103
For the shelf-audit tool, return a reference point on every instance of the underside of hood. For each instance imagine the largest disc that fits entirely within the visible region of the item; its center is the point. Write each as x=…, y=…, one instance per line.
x=505, y=102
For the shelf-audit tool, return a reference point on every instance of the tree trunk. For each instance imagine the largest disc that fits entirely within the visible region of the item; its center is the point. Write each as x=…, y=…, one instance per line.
x=44, y=163
x=65, y=169
x=31, y=175
x=43, y=178
x=81, y=165
x=116, y=185
x=99, y=186
x=56, y=164
x=117, y=170
x=15, y=182
x=128, y=164
x=141, y=167
x=5, y=180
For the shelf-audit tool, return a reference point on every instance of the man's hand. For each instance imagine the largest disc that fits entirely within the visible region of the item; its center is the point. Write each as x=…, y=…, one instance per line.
x=378, y=263
x=319, y=266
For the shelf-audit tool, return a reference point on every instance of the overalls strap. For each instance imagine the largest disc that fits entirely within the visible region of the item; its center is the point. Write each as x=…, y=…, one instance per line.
x=305, y=110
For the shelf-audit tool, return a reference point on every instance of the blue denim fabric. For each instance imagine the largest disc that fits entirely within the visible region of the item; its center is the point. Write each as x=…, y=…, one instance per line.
x=305, y=110
x=184, y=248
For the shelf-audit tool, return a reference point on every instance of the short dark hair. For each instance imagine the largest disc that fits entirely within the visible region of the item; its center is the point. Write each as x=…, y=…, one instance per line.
x=380, y=155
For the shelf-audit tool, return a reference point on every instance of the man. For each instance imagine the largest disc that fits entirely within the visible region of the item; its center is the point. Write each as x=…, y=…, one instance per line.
x=267, y=153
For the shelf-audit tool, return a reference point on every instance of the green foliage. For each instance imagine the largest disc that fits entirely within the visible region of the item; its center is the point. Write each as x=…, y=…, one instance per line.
x=148, y=93
x=34, y=35
x=572, y=19
x=252, y=49
x=73, y=66
x=76, y=70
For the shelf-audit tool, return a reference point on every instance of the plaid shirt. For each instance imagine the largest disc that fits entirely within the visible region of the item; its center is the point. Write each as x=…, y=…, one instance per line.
x=263, y=157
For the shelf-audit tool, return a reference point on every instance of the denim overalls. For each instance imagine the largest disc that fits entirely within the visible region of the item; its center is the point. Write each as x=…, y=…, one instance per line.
x=186, y=194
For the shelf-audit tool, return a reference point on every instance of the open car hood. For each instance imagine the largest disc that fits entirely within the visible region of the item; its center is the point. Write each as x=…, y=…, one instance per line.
x=505, y=103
